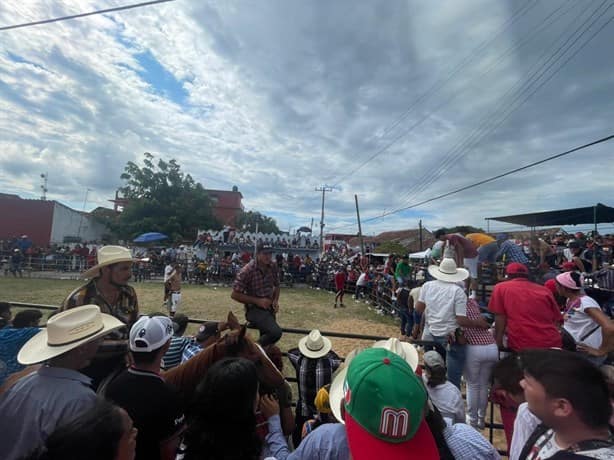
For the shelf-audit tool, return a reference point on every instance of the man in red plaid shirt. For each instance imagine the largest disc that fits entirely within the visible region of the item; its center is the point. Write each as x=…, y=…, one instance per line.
x=257, y=287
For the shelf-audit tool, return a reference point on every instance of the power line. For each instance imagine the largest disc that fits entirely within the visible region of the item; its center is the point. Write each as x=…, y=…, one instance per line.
x=513, y=103
x=490, y=179
x=82, y=15
x=546, y=23
x=440, y=84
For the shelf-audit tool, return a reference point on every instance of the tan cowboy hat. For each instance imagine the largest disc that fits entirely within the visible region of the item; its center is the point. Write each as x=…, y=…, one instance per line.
x=314, y=345
x=405, y=350
x=448, y=271
x=108, y=255
x=66, y=331
x=336, y=391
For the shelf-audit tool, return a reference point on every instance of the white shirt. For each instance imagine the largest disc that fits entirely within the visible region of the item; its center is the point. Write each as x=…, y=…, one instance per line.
x=415, y=294
x=578, y=323
x=448, y=399
x=524, y=424
x=362, y=280
x=168, y=270
x=444, y=301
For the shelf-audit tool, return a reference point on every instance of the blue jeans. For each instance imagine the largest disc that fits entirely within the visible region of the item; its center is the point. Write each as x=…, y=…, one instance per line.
x=454, y=354
x=407, y=321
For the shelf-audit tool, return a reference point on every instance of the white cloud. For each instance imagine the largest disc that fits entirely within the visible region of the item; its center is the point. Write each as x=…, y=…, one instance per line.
x=283, y=96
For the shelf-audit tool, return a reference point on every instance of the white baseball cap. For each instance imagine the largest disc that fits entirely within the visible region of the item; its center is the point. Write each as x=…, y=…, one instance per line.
x=150, y=333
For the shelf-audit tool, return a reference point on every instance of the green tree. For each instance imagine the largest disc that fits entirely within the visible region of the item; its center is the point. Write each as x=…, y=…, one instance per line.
x=248, y=220
x=161, y=198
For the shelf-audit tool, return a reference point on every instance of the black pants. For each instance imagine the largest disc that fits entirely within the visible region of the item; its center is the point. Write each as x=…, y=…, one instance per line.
x=264, y=321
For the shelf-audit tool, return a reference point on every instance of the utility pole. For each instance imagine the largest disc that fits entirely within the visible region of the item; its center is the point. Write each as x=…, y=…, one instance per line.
x=44, y=188
x=323, y=189
x=420, y=227
x=87, y=191
x=362, y=243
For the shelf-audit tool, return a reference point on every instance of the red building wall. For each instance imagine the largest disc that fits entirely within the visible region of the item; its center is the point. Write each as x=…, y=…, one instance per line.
x=25, y=217
x=226, y=205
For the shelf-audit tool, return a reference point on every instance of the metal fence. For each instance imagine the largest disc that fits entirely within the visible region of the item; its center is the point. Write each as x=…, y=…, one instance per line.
x=491, y=425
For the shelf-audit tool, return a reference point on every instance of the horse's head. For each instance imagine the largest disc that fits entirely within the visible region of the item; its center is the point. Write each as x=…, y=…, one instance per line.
x=238, y=343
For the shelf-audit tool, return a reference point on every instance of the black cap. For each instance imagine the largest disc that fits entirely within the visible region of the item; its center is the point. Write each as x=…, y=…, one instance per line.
x=207, y=330
x=264, y=248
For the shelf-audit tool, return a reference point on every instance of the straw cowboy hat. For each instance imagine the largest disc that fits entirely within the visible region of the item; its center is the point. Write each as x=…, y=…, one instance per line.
x=108, y=255
x=66, y=331
x=314, y=345
x=448, y=271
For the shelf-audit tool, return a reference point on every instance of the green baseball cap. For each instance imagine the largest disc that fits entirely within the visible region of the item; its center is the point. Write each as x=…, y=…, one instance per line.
x=384, y=405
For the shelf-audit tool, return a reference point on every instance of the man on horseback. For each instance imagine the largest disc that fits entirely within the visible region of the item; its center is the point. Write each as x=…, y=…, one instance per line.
x=257, y=287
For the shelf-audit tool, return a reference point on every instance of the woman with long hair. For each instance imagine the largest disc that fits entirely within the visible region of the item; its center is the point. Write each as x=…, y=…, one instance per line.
x=222, y=418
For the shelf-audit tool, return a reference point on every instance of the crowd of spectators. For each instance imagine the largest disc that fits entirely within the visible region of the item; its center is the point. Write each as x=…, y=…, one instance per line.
x=555, y=385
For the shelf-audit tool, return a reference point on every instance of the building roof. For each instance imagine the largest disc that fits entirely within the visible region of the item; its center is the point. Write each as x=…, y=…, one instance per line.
x=597, y=214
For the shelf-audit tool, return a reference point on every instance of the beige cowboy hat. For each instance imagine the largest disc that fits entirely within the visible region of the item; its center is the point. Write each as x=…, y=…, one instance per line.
x=336, y=391
x=448, y=271
x=314, y=345
x=405, y=350
x=66, y=331
x=108, y=255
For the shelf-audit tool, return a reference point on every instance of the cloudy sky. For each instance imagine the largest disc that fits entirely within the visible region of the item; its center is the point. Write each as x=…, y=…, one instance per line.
x=395, y=101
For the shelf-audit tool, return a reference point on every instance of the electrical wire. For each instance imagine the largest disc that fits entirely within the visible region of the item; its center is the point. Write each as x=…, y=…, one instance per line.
x=437, y=86
x=462, y=148
x=82, y=15
x=484, y=181
x=507, y=100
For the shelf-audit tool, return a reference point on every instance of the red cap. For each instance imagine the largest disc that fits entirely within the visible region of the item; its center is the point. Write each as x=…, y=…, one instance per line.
x=551, y=285
x=568, y=266
x=516, y=268
x=365, y=446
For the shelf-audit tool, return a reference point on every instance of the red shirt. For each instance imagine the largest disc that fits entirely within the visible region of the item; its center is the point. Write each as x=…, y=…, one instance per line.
x=339, y=280
x=469, y=249
x=531, y=311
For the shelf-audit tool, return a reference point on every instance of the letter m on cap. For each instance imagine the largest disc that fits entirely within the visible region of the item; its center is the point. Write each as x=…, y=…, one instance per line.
x=394, y=423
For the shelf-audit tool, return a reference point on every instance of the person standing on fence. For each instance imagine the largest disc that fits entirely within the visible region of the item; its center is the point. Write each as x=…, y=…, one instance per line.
x=256, y=286
x=314, y=363
x=108, y=288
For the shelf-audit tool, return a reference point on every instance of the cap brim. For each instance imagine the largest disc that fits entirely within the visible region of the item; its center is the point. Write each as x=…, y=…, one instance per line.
x=365, y=446
x=335, y=393
x=314, y=354
x=36, y=349
x=460, y=275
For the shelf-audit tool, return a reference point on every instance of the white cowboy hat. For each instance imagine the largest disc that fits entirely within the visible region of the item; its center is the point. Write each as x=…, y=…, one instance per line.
x=66, y=331
x=336, y=391
x=448, y=271
x=108, y=255
x=405, y=350
x=314, y=345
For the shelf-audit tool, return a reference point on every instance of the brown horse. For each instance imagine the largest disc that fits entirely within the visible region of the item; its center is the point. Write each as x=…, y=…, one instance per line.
x=236, y=343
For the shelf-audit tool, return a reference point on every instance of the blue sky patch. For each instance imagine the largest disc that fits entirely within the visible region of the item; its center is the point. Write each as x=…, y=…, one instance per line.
x=161, y=80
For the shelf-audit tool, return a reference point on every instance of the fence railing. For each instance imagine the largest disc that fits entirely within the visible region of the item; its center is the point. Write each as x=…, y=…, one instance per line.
x=491, y=425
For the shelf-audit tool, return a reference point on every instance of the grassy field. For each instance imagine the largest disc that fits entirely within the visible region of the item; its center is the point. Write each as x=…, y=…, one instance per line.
x=300, y=307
